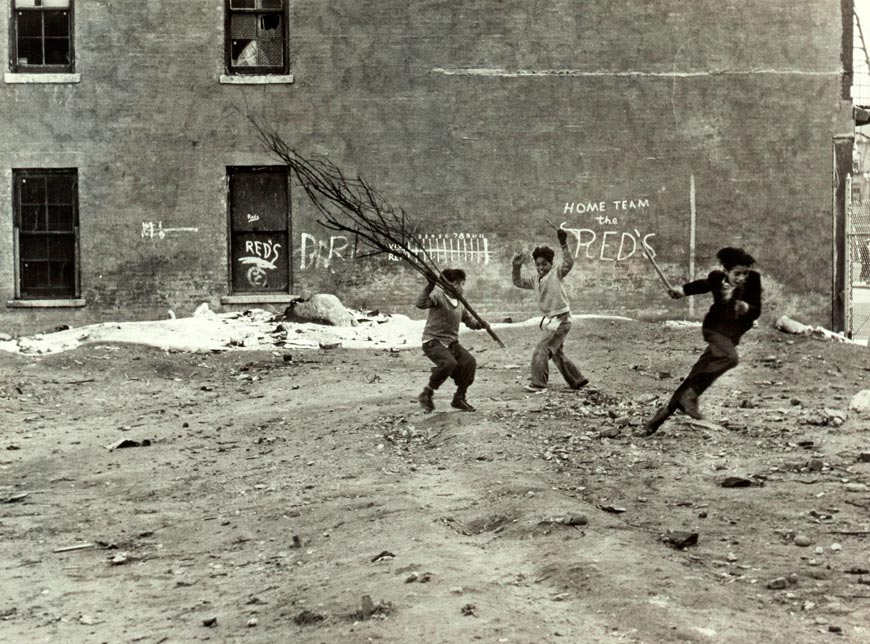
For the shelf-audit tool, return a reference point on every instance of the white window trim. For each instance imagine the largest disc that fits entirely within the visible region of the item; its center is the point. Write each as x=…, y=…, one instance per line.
x=256, y=79
x=70, y=303
x=15, y=77
x=256, y=298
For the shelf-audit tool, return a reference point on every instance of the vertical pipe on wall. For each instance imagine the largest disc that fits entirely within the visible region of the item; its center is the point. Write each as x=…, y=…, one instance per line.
x=691, y=239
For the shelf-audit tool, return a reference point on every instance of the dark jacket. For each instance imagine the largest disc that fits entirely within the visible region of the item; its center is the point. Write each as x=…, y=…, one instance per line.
x=722, y=316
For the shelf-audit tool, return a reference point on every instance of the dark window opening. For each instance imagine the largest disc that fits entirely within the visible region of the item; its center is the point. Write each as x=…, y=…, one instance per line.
x=259, y=230
x=256, y=36
x=42, y=36
x=45, y=205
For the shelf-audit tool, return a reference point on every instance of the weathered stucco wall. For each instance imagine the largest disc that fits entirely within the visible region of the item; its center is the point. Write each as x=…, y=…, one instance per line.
x=479, y=119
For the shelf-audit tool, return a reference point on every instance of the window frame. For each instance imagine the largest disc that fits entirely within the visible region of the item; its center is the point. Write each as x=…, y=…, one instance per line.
x=22, y=294
x=231, y=231
x=14, y=64
x=252, y=70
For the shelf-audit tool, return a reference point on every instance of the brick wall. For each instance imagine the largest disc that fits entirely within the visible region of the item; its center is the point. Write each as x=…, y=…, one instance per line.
x=479, y=119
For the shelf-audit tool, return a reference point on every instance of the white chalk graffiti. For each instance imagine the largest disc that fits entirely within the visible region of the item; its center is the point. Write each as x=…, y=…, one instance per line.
x=260, y=261
x=609, y=245
x=152, y=230
x=451, y=247
x=315, y=253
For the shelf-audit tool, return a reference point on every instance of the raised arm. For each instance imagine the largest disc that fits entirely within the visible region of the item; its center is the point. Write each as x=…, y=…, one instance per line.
x=567, y=257
x=424, y=300
x=516, y=274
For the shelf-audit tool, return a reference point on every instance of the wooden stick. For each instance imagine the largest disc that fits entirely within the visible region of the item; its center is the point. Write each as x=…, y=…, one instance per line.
x=656, y=266
x=80, y=546
x=552, y=225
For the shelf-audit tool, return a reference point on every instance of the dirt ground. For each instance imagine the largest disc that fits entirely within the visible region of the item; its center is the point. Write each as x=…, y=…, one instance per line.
x=302, y=496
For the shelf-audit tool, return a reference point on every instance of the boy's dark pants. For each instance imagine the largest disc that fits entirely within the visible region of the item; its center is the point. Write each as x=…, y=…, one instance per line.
x=719, y=356
x=450, y=362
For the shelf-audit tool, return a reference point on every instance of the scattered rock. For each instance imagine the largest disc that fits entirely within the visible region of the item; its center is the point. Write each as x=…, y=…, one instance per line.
x=210, y=622
x=322, y=308
x=575, y=519
x=252, y=622
x=803, y=541
x=735, y=481
x=386, y=554
x=777, y=584
x=469, y=610
x=861, y=402
x=864, y=457
x=681, y=540
x=126, y=442
x=613, y=509
x=856, y=487
x=307, y=617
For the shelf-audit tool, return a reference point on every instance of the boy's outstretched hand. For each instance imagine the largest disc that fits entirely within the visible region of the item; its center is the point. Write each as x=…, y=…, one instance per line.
x=741, y=307
x=676, y=293
x=519, y=259
x=562, y=235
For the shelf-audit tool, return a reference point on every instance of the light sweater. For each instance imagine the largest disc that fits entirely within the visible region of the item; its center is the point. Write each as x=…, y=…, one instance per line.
x=549, y=289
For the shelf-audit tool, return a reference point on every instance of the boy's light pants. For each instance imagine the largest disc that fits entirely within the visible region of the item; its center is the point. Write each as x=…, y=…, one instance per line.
x=551, y=348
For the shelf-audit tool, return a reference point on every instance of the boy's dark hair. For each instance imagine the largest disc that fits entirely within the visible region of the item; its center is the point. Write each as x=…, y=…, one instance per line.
x=544, y=251
x=453, y=275
x=730, y=257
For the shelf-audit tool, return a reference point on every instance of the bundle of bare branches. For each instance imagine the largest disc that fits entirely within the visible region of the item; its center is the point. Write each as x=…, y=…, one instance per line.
x=353, y=206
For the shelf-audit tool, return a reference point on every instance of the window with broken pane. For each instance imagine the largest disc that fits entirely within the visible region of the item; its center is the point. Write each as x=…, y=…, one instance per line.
x=46, y=232
x=256, y=35
x=42, y=36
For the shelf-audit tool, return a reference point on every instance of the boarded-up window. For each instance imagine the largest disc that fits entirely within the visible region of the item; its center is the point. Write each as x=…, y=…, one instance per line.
x=256, y=36
x=45, y=204
x=42, y=36
x=259, y=230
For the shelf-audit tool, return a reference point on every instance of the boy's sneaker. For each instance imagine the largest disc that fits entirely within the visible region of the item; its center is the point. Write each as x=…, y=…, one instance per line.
x=653, y=424
x=461, y=404
x=689, y=404
x=425, y=400
x=583, y=382
x=534, y=388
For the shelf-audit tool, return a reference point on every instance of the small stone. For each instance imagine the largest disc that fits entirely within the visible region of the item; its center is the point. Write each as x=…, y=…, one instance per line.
x=575, y=519
x=731, y=556
x=835, y=629
x=820, y=550
x=864, y=457
x=803, y=541
x=836, y=547
x=457, y=590
x=210, y=622
x=809, y=605
x=820, y=620
x=856, y=487
x=777, y=584
x=793, y=579
x=252, y=622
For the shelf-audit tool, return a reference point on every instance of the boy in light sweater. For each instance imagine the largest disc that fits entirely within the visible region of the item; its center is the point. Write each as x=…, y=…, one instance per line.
x=441, y=340
x=549, y=290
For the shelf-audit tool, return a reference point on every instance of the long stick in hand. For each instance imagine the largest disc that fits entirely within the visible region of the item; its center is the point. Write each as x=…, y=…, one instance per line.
x=655, y=266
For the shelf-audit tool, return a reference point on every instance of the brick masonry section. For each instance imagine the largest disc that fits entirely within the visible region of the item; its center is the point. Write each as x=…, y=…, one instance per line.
x=479, y=119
